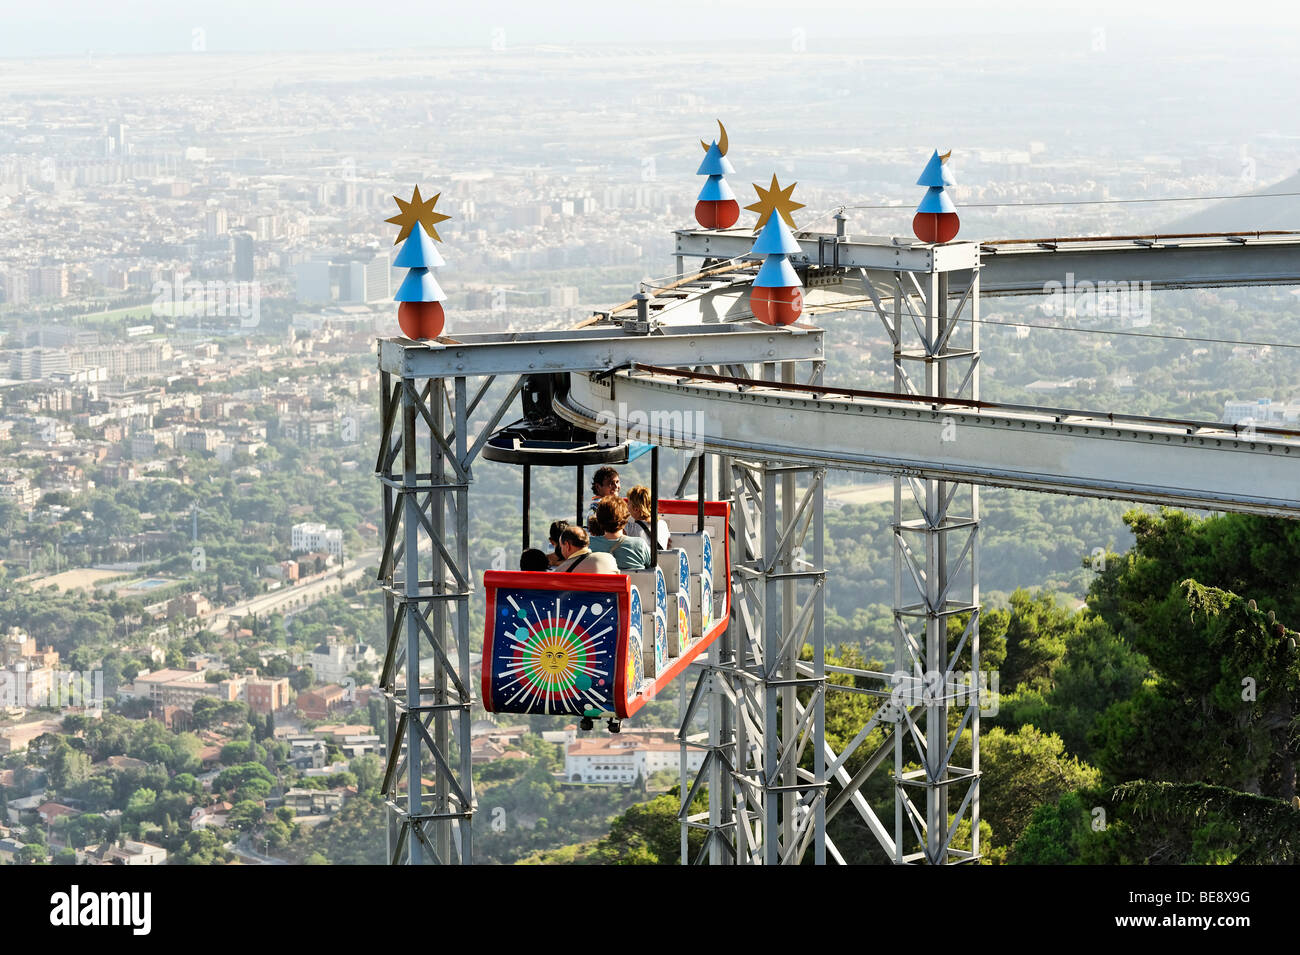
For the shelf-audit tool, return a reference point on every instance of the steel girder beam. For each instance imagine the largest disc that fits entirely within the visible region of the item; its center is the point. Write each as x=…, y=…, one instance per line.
x=1074, y=452
x=1027, y=268
x=597, y=348
x=852, y=252
x=1169, y=263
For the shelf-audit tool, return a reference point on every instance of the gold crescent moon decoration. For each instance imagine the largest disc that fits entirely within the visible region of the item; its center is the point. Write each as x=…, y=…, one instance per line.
x=722, y=140
x=944, y=157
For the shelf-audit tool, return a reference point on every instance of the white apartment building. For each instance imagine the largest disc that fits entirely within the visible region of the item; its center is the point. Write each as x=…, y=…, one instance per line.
x=1260, y=411
x=618, y=760
x=310, y=537
x=332, y=662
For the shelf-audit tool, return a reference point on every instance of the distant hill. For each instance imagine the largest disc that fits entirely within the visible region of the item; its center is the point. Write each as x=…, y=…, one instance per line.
x=1242, y=214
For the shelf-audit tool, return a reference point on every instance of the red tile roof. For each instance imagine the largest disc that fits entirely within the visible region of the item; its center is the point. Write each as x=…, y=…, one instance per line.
x=52, y=810
x=624, y=744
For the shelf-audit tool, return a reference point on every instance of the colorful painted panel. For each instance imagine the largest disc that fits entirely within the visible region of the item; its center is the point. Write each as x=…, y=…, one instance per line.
x=706, y=598
x=660, y=649
x=680, y=637
x=635, y=665
x=706, y=587
x=554, y=651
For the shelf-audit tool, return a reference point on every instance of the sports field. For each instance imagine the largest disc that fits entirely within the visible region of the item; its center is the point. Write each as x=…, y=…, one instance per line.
x=84, y=578
x=862, y=493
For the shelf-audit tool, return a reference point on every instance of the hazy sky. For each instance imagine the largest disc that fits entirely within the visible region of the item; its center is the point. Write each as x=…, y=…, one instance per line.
x=72, y=27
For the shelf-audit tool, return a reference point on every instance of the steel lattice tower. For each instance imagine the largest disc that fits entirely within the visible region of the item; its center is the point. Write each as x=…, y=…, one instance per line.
x=936, y=579
x=426, y=530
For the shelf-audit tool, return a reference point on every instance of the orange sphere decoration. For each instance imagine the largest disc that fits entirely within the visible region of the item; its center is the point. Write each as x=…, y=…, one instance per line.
x=717, y=213
x=420, y=319
x=936, y=226
x=777, y=306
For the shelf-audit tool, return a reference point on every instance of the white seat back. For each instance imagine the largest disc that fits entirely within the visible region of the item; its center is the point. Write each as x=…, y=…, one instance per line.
x=654, y=618
x=676, y=567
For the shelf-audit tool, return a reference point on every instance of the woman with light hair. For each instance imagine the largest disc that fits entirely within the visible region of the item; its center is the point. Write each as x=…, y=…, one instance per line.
x=638, y=505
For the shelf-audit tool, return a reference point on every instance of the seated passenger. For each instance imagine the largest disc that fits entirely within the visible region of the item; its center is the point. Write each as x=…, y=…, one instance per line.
x=631, y=553
x=579, y=558
x=603, y=483
x=638, y=505
x=557, y=528
x=534, y=560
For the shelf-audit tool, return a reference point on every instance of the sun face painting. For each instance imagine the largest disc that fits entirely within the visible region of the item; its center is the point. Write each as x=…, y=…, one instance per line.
x=555, y=660
x=554, y=651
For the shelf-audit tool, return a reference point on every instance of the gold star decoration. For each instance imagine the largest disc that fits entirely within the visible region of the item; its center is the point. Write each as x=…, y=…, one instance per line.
x=417, y=210
x=774, y=199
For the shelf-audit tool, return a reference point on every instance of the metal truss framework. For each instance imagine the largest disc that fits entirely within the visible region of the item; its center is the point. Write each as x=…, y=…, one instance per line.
x=765, y=706
x=936, y=580
x=428, y=787
x=756, y=717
